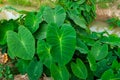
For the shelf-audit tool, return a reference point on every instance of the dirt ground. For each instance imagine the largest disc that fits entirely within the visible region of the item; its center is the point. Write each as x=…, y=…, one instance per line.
x=111, y=11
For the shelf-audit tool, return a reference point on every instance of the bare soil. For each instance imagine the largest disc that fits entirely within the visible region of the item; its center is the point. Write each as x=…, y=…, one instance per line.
x=112, y=11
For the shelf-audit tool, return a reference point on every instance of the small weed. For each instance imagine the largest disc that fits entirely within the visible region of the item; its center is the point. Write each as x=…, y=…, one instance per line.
x=5, y=72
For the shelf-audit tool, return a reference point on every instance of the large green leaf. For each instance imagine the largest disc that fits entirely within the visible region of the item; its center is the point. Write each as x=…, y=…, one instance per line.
x=92, y=62
x=99, y=51
x=21, y=45
x=59, y=72
x=56, y=15
x=63, y=41
x=79, y=69
x=35, y=69
x=43, y=50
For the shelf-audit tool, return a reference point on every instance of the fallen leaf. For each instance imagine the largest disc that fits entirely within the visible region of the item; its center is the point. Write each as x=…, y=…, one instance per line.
x=3, y=58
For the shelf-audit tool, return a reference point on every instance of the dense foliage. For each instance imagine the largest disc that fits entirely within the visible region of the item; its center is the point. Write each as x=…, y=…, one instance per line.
x=57, y=42
x=114, y=22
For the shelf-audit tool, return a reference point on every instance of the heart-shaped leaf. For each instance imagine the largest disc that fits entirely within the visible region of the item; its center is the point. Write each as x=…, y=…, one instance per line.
x=34, y=70
x=99, y=51
x=21, y=45
x=79, y=69
x=32, y=21
x=43, y=50
x=59, y=72
x=56, y=15
x=63, y=41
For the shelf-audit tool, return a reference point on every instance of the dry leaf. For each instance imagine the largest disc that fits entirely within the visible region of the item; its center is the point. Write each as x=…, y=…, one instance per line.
x=46, y=78
x=21, y=77
x=3, y=58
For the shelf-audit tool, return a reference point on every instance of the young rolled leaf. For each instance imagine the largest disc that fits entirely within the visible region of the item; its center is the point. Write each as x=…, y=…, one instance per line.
x=63, y=41
x=79, y=69
x=35, y=69
x=56, y=15
x=99, y=51
x=21, y=45
x=59, y=72
x=43, y=51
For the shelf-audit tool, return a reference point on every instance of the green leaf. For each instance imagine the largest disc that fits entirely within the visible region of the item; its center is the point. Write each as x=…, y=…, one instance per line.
x=56, y=15
x=41, y=32
x=79, y=69
x=118, y=23
x=44, y=53
x=35, y=69
x=81, y=46
x=108, y=75
x=81, y=1
x=111, y=39
x=63, y=41
x=96, y=35
x=21, y=45
x=73, y=77
x=79, y=20
x=4, y=27
x=90, y=73
x=99, y=51
x=22, y=66
x=59, y=72
x=102, y=66
x=115, y=64
x=92, y=62
x=118, y=52
x=32, y=21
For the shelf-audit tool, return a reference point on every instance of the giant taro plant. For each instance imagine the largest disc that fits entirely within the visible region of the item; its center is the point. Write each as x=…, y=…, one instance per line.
x=57, y=42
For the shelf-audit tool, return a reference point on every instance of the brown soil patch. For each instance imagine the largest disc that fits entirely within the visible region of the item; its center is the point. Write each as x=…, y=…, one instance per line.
x=112, y=11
